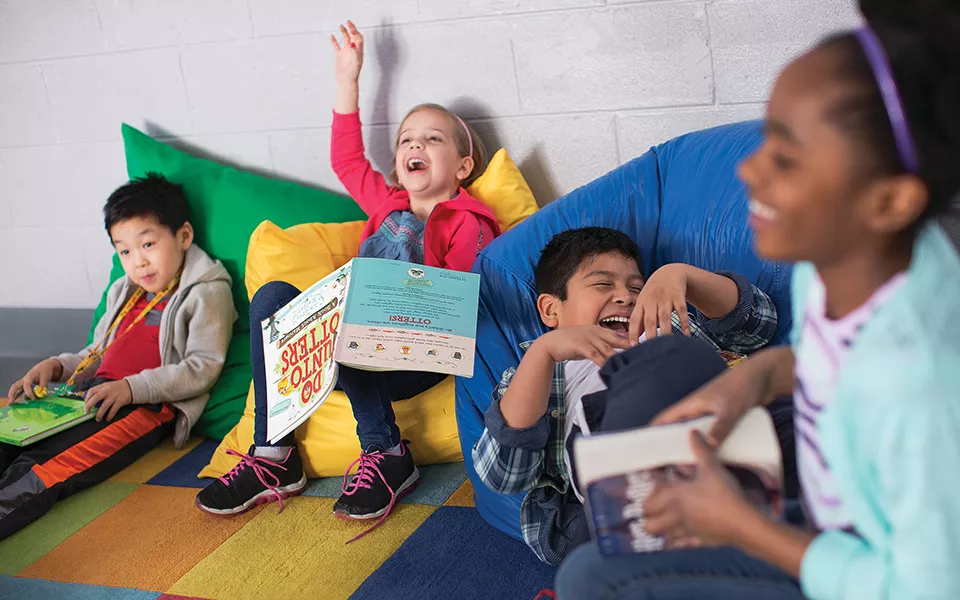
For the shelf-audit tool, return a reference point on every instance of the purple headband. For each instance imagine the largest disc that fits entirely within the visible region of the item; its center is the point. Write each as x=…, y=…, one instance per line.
x=891, y=98
x=469, y=137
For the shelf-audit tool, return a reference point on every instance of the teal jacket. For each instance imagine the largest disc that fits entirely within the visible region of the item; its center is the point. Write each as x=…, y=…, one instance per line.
x=892, y=439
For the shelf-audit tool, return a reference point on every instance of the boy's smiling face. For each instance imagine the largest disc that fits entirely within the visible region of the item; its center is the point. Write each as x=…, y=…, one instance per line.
x=150, y=253
x=602, y=291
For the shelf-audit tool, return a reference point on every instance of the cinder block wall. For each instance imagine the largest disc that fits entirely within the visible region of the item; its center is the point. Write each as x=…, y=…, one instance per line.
x=572, y=88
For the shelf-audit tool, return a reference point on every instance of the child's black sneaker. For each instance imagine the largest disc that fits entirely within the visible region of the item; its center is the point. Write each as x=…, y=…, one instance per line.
x=255, y=480
x=380, y=481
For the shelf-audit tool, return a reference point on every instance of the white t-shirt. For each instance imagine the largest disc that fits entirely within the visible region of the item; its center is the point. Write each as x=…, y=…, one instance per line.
x=580, y=378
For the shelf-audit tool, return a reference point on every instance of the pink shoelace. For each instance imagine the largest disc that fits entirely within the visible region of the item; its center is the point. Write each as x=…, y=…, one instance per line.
x=256, y=463
x=369, y=466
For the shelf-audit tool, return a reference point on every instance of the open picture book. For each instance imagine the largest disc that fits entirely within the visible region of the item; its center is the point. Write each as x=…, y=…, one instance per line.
x=371, y=314
x=618, y=471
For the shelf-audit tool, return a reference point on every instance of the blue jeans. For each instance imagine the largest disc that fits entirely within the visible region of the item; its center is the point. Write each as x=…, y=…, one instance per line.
x=370, y=393
x=714, y=573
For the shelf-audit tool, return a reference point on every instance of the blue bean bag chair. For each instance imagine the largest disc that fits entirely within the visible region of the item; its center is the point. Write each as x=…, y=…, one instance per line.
x=681, y=202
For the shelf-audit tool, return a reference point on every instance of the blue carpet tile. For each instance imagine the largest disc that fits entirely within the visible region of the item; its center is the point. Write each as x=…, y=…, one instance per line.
x=455, y=554
x=183, y=473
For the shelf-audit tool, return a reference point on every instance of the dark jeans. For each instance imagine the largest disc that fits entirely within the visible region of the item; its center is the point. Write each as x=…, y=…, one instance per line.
x=370, y=392
x=641, y=382
x=714, y=573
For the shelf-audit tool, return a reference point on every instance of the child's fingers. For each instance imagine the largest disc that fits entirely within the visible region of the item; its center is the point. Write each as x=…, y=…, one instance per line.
x=613, y=339
x=722, y=428
x=344, y=36
x=28, y=383
x=604, y=351
x=333, y=42
x=597, y=351
x=104, y=408
x=114, y=409
x=689, y=408
x=703, y=451
x=685, y=541
x=683, y=316
x=662, y=523
x=355, y=35
x=659, y=514
x=665, y=315
x=44, y=380
x=650, y=324
x=91, y=398
x=636, y=324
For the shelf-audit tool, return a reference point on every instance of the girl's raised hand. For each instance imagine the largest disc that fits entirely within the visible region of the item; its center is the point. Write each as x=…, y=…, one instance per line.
x=349, y=53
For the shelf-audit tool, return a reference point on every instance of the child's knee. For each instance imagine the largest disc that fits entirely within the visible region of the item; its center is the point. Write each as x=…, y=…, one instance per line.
x=651, y=376
x=270, y=298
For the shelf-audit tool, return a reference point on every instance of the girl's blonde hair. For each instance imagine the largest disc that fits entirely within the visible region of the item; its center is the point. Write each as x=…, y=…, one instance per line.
x=463, y=134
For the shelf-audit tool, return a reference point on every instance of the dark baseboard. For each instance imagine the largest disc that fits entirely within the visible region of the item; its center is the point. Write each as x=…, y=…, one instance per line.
x=28, y=335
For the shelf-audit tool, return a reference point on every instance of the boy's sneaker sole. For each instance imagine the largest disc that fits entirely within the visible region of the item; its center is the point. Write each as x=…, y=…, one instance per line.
x=408, y=486
x=264, y=497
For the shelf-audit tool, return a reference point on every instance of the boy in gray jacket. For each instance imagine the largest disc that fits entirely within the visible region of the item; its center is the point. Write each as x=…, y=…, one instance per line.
x=157, y=351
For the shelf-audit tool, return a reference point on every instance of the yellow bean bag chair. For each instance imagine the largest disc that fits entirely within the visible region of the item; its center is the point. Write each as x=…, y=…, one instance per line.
x=303, y=254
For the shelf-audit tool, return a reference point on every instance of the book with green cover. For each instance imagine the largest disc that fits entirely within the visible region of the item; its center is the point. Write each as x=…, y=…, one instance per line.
x=23, y=423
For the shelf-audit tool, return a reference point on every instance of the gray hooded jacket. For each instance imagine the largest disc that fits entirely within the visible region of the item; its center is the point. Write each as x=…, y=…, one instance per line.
x=195, y=331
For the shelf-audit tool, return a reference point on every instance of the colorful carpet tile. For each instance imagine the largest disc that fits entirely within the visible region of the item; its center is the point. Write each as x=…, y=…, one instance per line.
x=139, y=536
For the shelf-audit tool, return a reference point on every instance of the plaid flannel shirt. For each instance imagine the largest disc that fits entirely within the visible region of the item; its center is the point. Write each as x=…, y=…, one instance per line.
x=511, y=461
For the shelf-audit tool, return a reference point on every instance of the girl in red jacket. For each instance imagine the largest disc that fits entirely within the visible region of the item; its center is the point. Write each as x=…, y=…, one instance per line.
x=425, y=217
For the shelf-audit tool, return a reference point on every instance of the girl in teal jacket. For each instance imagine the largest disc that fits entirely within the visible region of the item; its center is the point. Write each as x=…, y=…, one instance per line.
x=860, y=153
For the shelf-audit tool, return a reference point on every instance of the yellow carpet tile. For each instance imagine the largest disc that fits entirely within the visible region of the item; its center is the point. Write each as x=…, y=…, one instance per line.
x=299, y=553
x=462, y=497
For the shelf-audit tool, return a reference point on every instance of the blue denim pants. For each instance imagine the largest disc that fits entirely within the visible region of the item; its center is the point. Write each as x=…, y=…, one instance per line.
x=709, y=573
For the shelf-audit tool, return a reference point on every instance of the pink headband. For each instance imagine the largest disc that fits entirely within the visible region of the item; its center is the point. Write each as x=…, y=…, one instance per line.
x=469, y=137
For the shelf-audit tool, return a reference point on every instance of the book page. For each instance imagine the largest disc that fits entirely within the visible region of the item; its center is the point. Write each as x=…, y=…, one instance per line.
x=407, y=317
x=298, y=349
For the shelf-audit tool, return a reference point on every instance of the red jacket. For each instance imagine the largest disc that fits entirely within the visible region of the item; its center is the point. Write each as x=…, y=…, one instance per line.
x=456, y=231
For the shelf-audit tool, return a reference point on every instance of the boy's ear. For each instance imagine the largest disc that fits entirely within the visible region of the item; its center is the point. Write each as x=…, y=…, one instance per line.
x=466, y=168
x=185, y=235
x=549, y=307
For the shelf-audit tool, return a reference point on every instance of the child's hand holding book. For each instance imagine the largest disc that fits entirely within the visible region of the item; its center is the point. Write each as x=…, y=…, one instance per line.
x=39, y=376
x=110, y=396
x=704, y=509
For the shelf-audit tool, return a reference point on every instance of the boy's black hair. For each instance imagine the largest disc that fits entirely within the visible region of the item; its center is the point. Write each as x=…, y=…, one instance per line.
x=149, y=196
x=920, y=39
x=564, y=254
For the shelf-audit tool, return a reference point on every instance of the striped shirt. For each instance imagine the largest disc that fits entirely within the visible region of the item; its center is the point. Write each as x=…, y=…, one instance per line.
x=824, y=345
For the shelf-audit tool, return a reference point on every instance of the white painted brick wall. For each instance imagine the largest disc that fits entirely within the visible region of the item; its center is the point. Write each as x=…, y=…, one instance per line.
x=571, y=88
